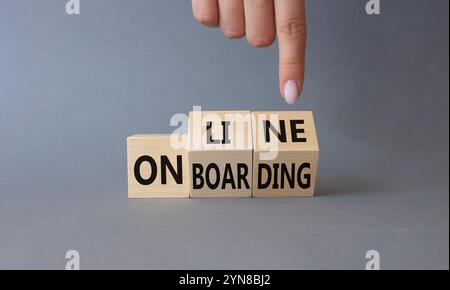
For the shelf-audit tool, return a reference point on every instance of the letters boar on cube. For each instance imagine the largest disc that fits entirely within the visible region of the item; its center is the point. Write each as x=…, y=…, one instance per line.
x=220, y=154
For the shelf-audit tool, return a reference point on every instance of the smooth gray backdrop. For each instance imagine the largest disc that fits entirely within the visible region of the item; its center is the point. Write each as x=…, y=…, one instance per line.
x=72, y=88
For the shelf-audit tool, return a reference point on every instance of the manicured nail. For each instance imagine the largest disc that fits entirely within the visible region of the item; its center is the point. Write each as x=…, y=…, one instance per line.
x=291, y=92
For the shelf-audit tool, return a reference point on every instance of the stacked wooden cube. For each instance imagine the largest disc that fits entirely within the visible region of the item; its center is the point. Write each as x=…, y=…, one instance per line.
x=227, y=154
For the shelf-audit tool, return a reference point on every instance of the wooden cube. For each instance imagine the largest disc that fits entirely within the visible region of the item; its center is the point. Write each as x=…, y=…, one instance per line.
x=156, y=169
x=286, y=154
x=220, y=154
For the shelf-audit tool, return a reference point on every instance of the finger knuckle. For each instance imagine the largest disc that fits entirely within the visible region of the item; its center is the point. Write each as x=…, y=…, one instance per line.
x=205, y=19
x=293, y=27
x=294, y=67
x=232, y=33
x=260, y=41
x=290, y=64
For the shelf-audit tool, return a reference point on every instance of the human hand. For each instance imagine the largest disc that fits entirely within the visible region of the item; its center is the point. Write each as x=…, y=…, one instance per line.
x=261, y=21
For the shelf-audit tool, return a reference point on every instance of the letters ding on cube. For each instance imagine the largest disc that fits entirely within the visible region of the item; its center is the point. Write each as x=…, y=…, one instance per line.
x=220, y=153
x=157, y=166
x=286, y=153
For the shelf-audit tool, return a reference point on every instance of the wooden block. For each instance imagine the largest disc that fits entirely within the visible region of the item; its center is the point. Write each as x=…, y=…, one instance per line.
x=286, y=154
x=220, y=153
x=155, y=168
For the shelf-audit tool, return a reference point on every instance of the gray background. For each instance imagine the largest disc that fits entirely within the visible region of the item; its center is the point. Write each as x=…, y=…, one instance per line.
x=72, y=88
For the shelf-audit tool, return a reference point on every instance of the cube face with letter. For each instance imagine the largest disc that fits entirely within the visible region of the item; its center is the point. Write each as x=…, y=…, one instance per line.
x=286, y=154
x=157, y=166
x=220, y=153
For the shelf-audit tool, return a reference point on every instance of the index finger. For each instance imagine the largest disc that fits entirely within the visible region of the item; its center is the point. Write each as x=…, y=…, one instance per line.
x=290, y=21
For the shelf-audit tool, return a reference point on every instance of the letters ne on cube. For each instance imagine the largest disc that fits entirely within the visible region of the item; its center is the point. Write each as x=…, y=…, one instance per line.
x=227, y=154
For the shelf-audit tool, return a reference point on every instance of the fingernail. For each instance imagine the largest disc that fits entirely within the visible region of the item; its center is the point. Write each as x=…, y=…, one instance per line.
x=291, y=92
